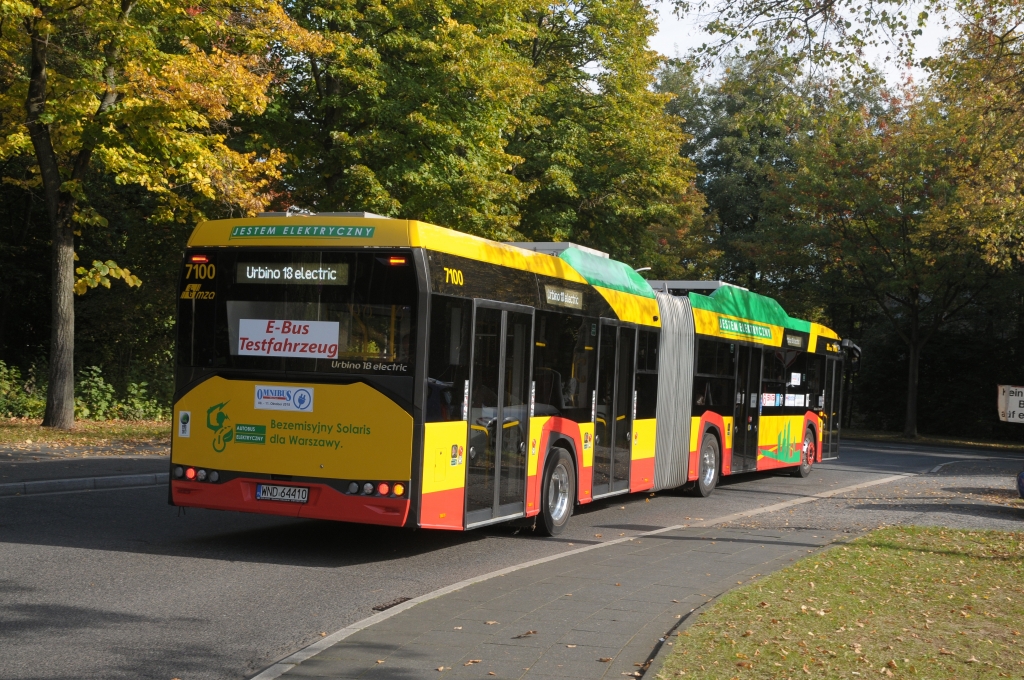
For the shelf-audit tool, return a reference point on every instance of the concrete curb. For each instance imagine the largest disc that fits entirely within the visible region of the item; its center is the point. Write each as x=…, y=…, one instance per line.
x=969, y=460
x=82, y=484
x=287, y=663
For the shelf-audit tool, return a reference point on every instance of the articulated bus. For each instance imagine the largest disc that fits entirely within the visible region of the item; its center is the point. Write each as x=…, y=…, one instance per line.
x=351, y=367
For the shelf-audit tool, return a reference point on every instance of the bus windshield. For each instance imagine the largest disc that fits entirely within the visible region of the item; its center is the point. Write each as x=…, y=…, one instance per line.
x=301, y=310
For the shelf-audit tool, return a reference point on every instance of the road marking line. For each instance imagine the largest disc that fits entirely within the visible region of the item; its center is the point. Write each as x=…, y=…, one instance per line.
x=287, y=663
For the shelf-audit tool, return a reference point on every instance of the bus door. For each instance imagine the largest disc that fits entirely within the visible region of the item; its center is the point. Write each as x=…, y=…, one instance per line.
x=499, y=418
x=615, y=405
x=748, y=409
x=830, y=410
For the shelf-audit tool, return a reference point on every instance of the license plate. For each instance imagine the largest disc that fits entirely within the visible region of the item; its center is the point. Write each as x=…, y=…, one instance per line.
x=271, y=492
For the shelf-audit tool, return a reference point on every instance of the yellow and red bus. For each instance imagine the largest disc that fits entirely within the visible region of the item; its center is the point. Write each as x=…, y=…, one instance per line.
x=351, y=367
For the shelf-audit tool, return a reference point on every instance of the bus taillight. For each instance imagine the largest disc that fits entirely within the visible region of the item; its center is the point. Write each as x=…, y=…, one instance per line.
x=383, y=489
x=199, y=258
x=190, y=473
x=396, y=260
x=399, y=488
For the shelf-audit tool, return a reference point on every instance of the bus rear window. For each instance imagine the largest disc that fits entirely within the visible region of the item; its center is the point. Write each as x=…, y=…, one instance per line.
x=298, y=311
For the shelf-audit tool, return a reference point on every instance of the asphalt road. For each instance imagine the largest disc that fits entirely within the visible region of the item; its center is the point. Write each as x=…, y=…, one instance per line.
x=117, y=584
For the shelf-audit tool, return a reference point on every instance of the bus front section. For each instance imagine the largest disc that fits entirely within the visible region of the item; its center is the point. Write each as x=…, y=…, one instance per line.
x=294, y=382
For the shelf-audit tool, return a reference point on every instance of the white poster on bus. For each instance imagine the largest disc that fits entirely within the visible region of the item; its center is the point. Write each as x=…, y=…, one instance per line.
x=288, y=338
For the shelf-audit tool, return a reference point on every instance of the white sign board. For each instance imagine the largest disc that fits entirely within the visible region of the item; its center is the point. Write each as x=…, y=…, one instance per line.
x=1011, y=404
x=288, y=338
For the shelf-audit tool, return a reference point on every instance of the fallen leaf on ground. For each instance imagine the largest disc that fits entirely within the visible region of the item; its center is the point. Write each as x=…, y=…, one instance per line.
x=458, y=627
x=380, y=660
x=490, y=672
x=526, y=634
x=440, y=668
x=605, y=659
x=323, y=634
x=471, y=662
x=570, y=646
x=490, y=623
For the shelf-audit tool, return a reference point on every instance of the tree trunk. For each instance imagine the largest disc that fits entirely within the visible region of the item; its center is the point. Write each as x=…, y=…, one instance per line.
x=910, y=424
x=60, y=396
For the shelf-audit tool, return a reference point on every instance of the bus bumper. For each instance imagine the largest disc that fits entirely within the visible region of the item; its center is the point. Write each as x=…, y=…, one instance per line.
x=239, y=494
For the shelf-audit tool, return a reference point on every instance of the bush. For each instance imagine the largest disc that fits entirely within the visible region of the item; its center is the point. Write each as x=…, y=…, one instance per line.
x=20, y=398
x=95, y=398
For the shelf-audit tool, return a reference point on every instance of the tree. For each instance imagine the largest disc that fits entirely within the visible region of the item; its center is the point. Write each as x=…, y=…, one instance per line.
x=140, y=91
x=409, y=111
x=884, y=189
x=600, y=154
x=742, y=130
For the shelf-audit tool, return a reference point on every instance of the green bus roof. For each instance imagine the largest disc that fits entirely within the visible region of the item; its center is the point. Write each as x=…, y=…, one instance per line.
x=607, y=273
x=739, y=302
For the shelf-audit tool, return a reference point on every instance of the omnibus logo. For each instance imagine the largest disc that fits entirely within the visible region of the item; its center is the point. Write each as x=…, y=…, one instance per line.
x=284, y=398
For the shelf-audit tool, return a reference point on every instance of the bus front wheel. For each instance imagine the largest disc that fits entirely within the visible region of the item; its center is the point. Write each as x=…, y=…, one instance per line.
x=707, y=472
x=807, y=455
x=558, y=492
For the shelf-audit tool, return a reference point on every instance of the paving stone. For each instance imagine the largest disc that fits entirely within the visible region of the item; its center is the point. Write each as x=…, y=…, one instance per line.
x=602, y=620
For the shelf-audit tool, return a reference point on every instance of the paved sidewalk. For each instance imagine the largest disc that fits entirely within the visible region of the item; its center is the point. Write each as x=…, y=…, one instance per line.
x=597, y=614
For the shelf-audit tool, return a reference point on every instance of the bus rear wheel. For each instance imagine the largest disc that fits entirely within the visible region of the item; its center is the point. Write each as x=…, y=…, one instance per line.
x=707, y=470
x=558, y=492
x=807, y=455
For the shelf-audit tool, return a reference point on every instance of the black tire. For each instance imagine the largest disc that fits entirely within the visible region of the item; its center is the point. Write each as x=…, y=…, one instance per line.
x=708, y=458
x=557, y=493
x=807, y=455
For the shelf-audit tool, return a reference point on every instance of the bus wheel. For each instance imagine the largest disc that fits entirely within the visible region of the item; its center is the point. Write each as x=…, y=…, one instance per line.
x=806, y=455
x=707, y=473
x=558, y=492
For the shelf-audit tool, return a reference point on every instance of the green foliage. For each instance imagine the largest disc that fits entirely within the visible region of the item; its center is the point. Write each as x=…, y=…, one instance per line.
x=20, y=398
x=100, y=274
x=95, y=399
x=94, y=396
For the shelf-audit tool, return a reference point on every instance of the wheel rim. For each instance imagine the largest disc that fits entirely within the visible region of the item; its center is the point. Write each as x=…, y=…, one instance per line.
x=707, y=464
x=558, y=494
x=808, y=450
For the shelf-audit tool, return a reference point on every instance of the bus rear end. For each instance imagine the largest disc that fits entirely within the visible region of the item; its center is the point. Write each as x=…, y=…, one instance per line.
x=294, y=377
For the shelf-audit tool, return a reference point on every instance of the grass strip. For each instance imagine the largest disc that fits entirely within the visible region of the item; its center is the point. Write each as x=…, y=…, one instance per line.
x=28, y=431
x=899, y=602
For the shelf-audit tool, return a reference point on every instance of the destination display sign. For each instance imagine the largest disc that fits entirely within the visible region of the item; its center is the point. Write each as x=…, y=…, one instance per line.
x=323, y=274
x=563, y=297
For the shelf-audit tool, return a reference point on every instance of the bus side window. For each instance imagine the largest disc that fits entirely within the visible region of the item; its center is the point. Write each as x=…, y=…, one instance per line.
x=448, y=365
x=714, y=379
x=562, y=365
x=647, y=374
